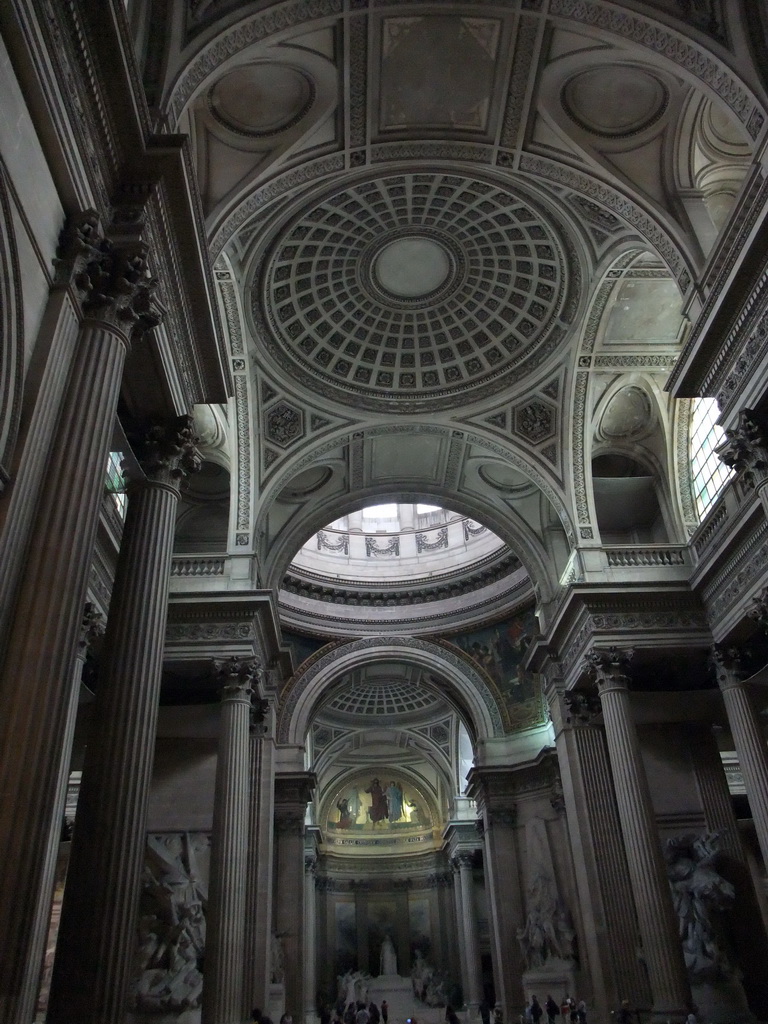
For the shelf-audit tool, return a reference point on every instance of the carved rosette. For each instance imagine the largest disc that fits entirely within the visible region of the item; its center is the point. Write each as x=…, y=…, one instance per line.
x=167, y=451
x=727, y=663
x=745, y=448
x=609, y=667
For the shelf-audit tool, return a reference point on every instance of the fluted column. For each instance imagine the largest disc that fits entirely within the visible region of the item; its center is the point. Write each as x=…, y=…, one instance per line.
x=43, y=632
x=658, y=925
x=225, y=919
x=468, y=925
x=258, y=921
x=97, y=937
x=606, y=902
x=52, y=358
x=458, y=930
x=310, y=938
x=292, y=793
x=493, y=789
x=747, y=736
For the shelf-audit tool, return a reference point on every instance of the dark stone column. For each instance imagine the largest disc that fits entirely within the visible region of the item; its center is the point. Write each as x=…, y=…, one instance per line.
x=658, y=924
x=606, y=902
x=225, y=919
x=258, y=920
x=97, y=938
x=43, y=634
x=292, y=793
x=493, y=789
x=748, y=737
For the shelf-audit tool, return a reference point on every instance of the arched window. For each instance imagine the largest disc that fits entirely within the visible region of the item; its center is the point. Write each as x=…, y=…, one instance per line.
x=709, y=475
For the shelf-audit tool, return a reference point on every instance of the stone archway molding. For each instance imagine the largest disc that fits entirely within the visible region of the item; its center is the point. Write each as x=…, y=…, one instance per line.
x=469, y=687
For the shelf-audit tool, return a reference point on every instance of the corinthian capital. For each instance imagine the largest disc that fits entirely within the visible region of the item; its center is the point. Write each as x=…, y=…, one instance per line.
x=759, y=610
x=91, y=629
x=236, y=676
x=110, y=275
x=609, y=666
x=727, y=663
x=745, y=448
x=167, y=451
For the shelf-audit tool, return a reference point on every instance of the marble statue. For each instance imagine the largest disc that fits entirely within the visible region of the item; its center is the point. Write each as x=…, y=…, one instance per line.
x=387, y=957
x=278, y=960
x=171, y=925
x=547, y=933
x=353, y=987
x=700, y=894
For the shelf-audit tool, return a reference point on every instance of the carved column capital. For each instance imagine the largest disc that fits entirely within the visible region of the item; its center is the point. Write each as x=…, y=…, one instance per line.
x=236, y=677
x=289, y=823
x=463, y=859
x=110, y=276
x=505, y=817
x=583, y=706
x=91, y=630
x=609, y=667
x=759, y=610
x=166, y=452
x=745, y=448
x=259, y=711
x=727, y=663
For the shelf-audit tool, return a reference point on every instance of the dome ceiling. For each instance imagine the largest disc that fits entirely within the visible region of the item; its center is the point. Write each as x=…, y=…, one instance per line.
x=416, y=288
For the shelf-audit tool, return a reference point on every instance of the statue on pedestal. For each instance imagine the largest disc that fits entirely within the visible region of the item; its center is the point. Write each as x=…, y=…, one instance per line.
x=387, y=957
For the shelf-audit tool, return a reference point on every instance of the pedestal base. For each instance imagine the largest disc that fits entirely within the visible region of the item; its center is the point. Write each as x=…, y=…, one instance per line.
x=556, y=978
x=402, y=1002
x=723, y=1002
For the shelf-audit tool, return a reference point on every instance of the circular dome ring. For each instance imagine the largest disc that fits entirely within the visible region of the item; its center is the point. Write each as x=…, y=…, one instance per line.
x=491, y=299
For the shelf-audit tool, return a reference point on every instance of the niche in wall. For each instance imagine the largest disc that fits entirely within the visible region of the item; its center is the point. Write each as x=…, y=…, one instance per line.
x=626, y=501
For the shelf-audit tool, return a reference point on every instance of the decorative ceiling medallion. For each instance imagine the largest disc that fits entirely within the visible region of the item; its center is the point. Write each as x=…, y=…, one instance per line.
x=260, y=100
x=614, y=101
x=415, y=287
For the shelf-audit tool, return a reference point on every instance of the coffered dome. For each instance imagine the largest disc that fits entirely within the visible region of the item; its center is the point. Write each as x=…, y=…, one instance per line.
x=415, y=288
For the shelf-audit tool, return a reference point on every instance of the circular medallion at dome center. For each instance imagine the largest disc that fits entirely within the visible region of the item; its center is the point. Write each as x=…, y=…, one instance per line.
x=420, y=287
x=411, y=267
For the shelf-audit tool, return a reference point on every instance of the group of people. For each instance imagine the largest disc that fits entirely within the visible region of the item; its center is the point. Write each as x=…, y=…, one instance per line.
x=257, y=1017
x=357, y=1013
x=570, y=1010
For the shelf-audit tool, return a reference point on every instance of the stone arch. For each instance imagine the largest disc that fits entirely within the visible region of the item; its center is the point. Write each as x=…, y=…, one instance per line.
x=330, y=501
x=471, y=690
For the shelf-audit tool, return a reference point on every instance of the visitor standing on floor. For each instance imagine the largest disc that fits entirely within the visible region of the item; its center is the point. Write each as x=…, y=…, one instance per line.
x=536, y=1010
x=384, y=1010
x=552, y=1009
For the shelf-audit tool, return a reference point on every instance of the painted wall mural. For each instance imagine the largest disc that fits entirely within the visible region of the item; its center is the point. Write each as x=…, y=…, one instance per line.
x=384, y=806
x=499, y=650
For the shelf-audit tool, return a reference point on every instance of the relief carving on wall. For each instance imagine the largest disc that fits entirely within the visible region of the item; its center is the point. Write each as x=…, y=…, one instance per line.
x=172, y=923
